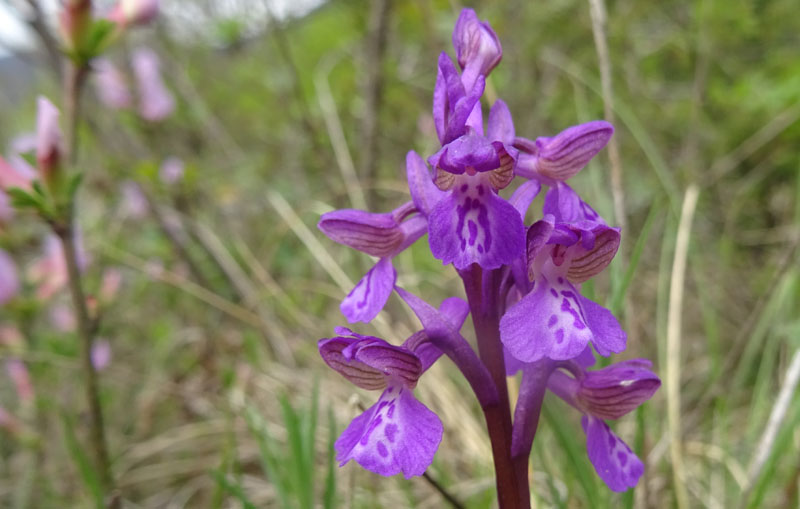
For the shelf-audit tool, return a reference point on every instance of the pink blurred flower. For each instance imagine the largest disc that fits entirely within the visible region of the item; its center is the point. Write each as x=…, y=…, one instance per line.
x=21, y=378
x=49, y=272
x=112, y=280
x=155, y=101
x=9, y=277
x=134, y=12
x=134, y=203
x=11, y=176
x=10, y=337
x=171, y=171
x=111, y=86
x=62, y=318
x=101, y=354
x=6, y=210
x=48, y=138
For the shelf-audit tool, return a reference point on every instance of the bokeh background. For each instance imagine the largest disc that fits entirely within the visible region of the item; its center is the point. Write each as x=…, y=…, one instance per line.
x=214, y=394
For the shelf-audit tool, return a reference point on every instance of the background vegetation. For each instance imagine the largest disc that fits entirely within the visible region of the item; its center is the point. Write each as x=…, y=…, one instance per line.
x=216, y=396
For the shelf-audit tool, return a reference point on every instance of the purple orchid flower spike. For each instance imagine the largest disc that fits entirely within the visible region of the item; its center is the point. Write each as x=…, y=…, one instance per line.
x=472, y=224
x=554, y=320
x=606, y=394
x=398, y=434
x=381, y=235
x=558, y=158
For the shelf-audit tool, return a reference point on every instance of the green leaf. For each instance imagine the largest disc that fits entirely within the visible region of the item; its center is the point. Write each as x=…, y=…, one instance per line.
x=100, y=36
x=329, y=496
x=270, y=463
x=22, y=199
x=234, y=488
x=73, y=185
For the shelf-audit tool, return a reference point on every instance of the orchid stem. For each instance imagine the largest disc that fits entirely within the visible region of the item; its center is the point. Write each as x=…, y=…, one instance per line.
x=482, y=293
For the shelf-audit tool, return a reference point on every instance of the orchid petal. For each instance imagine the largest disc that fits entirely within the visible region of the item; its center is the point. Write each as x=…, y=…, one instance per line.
x=567, y=207
x=367, y=299
x=616, y=390
x=613, y=460
x=398, y=434
x=567, y=153
x=501, y=125
x=524, y=195
x=371, y=233
x=607, y=335
x=474, y=225
x=547, y=322
x=424, y=192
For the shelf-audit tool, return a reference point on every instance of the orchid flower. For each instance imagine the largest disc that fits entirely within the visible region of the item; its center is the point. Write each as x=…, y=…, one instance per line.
x=382, y=235
x=608, y=394
x=553, y=319
x=522, y=285
x=398, y=433
x=472, y=223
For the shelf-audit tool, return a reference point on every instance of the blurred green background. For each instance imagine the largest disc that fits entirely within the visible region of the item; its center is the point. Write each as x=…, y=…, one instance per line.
x=215, y=395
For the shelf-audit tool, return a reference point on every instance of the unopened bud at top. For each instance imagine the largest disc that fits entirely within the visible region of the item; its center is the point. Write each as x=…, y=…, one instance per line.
x=74, y=22
x=476, y=43
x=48, y=140
x=134, y=12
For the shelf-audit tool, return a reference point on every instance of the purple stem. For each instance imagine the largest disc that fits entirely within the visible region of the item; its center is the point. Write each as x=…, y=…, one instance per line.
x=453, y=344
x=482, y=290
x=529, y=407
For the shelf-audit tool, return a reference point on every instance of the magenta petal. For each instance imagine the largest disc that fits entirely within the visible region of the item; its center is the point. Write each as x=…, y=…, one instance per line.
x=468, y=151
x=565, y=154
x=366, y=300
x=524, y=195
x=546, y=323
x=368, y=232
x=593, y=254
x=613, y=460
x=513, y=365
x=155, y=100
x=455, y=311
x=398, y=434
x=567, y=207
x=616, y=390
x=501, y=125
x=424, y=192
x=607, y=335
x=474, y=225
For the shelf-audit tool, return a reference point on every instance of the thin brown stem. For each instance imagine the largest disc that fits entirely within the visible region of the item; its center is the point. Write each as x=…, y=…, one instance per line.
x=86, y=330
x=74, y=80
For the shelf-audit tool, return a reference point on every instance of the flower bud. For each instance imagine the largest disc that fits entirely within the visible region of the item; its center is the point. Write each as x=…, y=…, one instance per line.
x=134, y=12
x=48, y=141
x=614, y=391
x=75, y=20
x=476, y=44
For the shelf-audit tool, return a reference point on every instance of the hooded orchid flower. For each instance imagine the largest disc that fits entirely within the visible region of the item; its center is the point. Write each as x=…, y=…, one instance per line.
x=382, y=235
x=607, y=394
x=398, y=434
x=553, y=319
x=472, y=223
